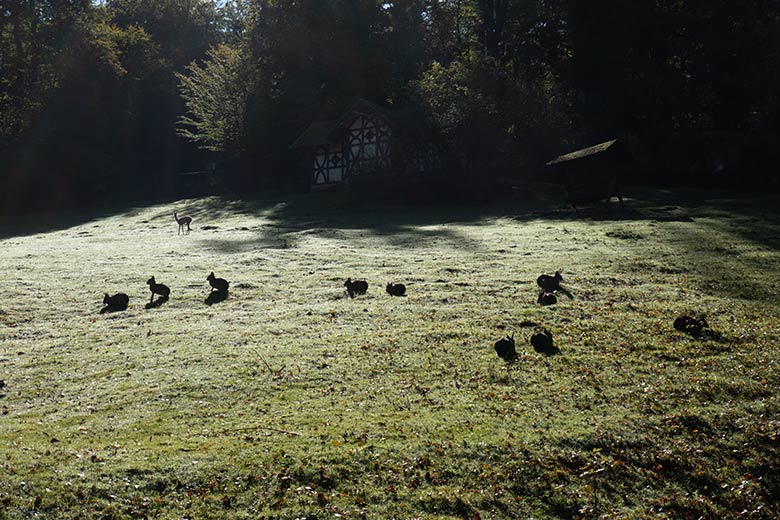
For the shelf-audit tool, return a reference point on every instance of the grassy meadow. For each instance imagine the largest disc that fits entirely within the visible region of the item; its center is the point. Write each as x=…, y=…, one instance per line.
x=291, y=400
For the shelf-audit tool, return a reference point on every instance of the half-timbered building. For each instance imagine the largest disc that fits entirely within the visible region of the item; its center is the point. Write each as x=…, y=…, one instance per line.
x=367, y=140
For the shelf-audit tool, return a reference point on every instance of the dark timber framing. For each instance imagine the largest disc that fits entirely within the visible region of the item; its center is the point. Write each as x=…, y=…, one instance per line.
x=366, y=140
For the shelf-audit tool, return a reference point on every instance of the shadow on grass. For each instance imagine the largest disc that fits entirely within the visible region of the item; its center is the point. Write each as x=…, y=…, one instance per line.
x=156, y=303
x=406, y=224
x=713, y=252
x=45, y=222
x=287, y=218
x=409, y=225
x=216, y=297
x=112, y=308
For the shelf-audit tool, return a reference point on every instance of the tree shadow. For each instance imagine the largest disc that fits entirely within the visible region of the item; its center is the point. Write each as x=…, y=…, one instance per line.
x=216, y=297
x=288, y=216
x=715, y=254
x=156, y=303
x=60, y=219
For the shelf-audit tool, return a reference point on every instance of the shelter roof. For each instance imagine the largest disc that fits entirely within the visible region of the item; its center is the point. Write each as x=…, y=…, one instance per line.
x=585, y=152
x=411, y=119
x=362, y=106
x=317, y=134
x=321, y=132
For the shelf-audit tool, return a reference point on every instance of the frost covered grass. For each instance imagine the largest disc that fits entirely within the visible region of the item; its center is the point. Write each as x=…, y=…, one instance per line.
x=291, y=400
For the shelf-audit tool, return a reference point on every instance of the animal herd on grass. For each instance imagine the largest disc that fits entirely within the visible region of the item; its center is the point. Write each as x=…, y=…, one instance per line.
x=219, y=286
x=120, y=301
x=541, y=339
x=361, y=287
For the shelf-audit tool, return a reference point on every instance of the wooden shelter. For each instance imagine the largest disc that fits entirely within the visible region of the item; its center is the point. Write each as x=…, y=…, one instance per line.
x=367, y=140
x=592, y=174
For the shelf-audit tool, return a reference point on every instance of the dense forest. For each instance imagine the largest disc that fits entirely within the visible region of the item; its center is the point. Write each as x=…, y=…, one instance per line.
x=122, y=96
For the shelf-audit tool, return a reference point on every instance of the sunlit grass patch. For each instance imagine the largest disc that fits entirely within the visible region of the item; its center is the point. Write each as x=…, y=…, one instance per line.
x=290, y=399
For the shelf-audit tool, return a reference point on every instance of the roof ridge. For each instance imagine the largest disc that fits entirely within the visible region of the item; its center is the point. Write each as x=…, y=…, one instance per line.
x=583, y=152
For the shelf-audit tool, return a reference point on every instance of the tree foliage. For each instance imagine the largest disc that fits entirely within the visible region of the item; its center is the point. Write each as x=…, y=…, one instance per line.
x=96, y=97
x=216, y=94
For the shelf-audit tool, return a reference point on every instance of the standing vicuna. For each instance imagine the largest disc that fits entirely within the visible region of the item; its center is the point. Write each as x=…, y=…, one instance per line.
x=183, y=221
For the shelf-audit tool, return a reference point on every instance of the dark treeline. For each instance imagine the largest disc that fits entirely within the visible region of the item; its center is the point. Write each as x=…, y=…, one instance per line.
x=121, y=96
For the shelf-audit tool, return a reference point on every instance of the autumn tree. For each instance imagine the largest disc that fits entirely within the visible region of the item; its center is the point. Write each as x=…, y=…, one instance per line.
x=215, y=92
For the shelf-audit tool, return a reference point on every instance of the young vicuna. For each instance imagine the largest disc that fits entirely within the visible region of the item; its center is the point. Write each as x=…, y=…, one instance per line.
x=217, y=284
x=183, y=221
x=158, y=288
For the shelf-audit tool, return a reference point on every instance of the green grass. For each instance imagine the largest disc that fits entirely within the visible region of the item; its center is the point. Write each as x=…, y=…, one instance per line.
x=290, y=400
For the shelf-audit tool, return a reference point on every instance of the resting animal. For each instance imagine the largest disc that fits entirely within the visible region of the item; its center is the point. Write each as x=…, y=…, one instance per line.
x=158, y=288
x=217, y=284
x=117, y=301
x=356, y=287
x=552, y=284
x=692, y=326
x=546, y=298
x=395, y=289
x=505, y=348
x=542, y=341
